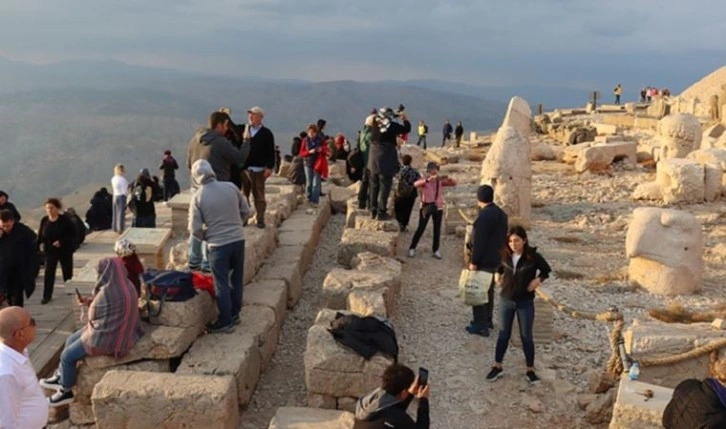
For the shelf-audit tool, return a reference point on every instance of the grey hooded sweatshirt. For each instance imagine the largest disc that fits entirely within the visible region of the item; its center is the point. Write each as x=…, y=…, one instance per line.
x=218, y=206
x=220, y=152
x=381, y=410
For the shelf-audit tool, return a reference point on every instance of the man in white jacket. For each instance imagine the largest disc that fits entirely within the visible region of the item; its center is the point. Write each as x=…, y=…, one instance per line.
x=217, y=214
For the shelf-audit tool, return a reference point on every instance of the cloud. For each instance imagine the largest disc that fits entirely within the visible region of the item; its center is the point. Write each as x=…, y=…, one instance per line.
x=553, y=42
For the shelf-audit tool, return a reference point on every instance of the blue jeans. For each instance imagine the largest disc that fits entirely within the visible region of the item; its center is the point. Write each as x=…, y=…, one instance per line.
x=72, y=353
x=119, y=213
x=144, y=222
x=525, y=316
x=228, y=285
x=198, y=254
x=312, y=184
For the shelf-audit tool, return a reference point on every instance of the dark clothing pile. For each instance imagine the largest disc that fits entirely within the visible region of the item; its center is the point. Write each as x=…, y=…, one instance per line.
x=515, y=280
x=381, y=410
x=365, y=335
x=296, y=172
x=489, y=236
x=100, y=214
x=19, y=263
x=696, y=405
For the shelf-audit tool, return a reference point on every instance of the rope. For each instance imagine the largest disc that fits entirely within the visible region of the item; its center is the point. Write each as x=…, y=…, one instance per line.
x=705, y=349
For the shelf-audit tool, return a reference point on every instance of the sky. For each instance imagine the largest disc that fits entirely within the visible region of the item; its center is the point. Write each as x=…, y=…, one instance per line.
x=572, y=43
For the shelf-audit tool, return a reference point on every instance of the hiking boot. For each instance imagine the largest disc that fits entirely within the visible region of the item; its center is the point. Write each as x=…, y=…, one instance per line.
x=411, y=253
x=382, y=216
x=261, y=225
x=437, y=255
x=374, y=214
x=495, y=373
x=477, y=329
x=61, y=397
x=218, y=328
x=532, y=378
x=52, y=383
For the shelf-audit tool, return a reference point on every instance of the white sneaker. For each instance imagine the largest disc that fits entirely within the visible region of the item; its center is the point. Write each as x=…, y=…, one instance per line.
x=437, y=255
x=411, y=253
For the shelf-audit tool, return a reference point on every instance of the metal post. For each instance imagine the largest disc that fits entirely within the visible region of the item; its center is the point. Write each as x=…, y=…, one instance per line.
x=540, y=109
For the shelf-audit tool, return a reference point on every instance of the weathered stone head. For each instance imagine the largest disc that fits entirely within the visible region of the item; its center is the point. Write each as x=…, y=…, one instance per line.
x=665, y=248
x=678, y=135
x=507, y=168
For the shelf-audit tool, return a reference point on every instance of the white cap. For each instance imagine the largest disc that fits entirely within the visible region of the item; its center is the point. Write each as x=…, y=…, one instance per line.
x=256, y=109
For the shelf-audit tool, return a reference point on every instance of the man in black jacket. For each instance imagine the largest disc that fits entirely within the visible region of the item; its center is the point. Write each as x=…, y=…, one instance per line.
x=260, y=161
x=385, y=407
x=383, y=159
x=488, y=238
x=19, y=262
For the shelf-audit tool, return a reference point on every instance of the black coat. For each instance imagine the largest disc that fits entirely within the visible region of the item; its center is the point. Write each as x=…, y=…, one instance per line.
x=694, y=406
x=365, y=335
x=515, y=280
x=19, y=260
x=100, y=214
x=262, y=149
x=488, y=237
x=383, y=155
x=397, y=418
x=10, y=206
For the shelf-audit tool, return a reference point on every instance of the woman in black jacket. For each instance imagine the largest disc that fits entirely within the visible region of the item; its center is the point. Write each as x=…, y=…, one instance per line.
x=521, y=272
x=99, y=215
x=57, y=235
x=699, y=404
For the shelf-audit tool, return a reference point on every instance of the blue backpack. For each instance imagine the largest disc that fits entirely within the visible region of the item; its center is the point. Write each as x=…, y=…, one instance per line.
x=175, y=286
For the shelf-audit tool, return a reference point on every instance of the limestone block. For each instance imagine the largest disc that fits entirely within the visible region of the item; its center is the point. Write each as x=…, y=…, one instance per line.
x=355, y=241
x=250, y=264
x=179, y=256
x=372, y=261
x=158, y=342
x=605, y=129
x=518, y=116
x=681, y=181
x=665, y=248
x=353, y=212
x=678, y=135
x=289, y=272
x=87, y=377
x=311, y=418
x=322, y=401
x=600, y=381
x=331, y=369
x=338, y=197
x=126, y=399
x=719, y=324
x=600, y=410
x=713, y=178
x=601, y=156
x=571, y=153
x=631, y=411
x=196, y=312
x=236, y=354
x=337, y=169
x=368, y=224
x=711, y=136
x=542, y=152
x=441, y=156
x=339, y=283
x=507, y=168
x=81, y=414
x=268, y=293
x=260, y=322
x=263, y=241
x=653, y=339
x=370, y=303
x=648, y=191
x=715, y=156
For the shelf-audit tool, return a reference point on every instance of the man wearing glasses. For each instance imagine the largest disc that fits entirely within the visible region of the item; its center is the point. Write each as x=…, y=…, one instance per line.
x=22, y=402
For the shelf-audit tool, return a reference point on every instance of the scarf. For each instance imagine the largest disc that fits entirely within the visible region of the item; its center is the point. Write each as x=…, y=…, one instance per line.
x=113, y=325
x=720, y=390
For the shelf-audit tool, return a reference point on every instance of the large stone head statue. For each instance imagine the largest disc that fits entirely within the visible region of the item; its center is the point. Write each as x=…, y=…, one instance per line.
x=678, y=135
x=665, y=248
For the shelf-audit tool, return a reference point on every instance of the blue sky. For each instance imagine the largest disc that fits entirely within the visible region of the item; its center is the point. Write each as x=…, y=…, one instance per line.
x=575, y=43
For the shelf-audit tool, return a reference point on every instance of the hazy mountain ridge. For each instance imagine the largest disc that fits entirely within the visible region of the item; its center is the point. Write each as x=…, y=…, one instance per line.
x=64, y=132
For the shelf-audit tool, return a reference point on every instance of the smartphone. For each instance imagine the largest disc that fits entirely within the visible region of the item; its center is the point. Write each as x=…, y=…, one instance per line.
x=78, y=295
x=423, y=376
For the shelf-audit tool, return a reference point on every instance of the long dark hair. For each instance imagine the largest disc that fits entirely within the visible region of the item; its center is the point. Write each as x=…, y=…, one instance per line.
x=520, y=232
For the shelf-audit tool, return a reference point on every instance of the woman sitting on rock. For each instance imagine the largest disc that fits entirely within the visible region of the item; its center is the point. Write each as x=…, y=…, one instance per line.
x=113, y=328
x=521, y=272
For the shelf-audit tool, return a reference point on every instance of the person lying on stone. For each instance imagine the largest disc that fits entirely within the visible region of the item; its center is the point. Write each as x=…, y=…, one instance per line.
x=385, y=407
x=113, y=328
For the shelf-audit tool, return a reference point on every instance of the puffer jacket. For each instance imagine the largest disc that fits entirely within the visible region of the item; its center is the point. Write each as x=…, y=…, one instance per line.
x=696, y=405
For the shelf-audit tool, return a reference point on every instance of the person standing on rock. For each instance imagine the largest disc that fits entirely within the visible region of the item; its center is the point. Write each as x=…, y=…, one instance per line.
x=446, y=132
x=260, y=162
x=618, y=91
x=383, y=158
x=169, y=166
x=432, y=206
x=22, y=402
x=141, y=201
x=385, y=407
x=423, y=131
x=19, y=261
x=458, y=133
x=364, y=146
x=489, y=236
x=521, y=272
x=120, y=187
x=217, y=214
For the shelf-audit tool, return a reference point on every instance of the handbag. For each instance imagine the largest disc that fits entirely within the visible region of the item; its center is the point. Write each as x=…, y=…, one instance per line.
x=474, y=287
x=165, y=286
x=429, y=209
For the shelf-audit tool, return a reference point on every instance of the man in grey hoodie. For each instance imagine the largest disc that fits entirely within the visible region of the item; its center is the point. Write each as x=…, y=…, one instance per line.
x=221, y=208
x=385, y=408
x=211, y=145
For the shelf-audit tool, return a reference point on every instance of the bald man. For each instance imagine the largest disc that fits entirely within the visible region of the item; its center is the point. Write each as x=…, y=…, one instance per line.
x=22, y=402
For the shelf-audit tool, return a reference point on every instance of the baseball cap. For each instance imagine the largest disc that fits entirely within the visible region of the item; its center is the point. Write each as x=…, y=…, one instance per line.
x=256, y=109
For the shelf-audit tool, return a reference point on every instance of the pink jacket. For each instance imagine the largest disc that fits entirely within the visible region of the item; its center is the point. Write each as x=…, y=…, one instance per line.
x=428, y=190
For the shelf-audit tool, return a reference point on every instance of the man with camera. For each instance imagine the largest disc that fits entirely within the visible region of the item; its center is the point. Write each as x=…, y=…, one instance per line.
x=383, y=157
x=385, y=407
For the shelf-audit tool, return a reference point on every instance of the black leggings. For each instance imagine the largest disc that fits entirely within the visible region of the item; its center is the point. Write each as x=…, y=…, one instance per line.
x=422, y=222
x=51, y=263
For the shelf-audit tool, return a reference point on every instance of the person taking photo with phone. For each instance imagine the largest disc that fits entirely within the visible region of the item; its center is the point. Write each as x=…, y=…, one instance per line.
x=385, y=407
